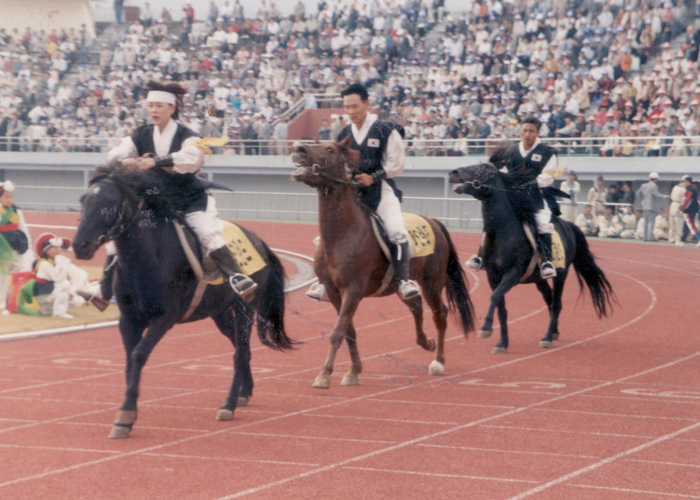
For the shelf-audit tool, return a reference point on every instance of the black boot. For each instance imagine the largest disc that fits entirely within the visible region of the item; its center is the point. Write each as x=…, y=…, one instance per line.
x=544, y=244
x=241, y=284
x=399, y=256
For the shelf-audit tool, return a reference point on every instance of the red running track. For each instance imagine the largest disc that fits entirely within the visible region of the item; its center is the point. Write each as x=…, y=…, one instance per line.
x=612, y=412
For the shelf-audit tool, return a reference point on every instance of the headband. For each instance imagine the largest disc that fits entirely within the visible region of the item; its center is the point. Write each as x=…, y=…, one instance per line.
x=160, y=96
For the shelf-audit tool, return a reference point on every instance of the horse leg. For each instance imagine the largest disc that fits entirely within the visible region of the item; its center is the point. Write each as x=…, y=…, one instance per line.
x=226, y=323
x=348, y=306
x=245, y=317
x=415, y=305
x=554, y=310
x=131, y=331
x=350, y=378
x=437, y=366
x=546, y=292
x=136, y=361
x=510, y=279
x=503, y=321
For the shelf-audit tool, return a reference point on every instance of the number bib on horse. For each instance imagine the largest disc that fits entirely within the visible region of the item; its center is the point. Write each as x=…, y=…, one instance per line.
x=247, y=256
x=421, y=233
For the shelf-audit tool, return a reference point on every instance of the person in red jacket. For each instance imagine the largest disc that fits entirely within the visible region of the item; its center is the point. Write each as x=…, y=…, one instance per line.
x=690, y=207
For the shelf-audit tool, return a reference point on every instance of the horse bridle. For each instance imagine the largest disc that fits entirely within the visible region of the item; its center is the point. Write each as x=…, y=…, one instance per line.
x=481, y=184
x=317, y=170
x=119, y=228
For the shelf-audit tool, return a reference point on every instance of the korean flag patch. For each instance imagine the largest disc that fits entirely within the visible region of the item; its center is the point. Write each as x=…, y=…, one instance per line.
x=373, y=143
x=536, y=157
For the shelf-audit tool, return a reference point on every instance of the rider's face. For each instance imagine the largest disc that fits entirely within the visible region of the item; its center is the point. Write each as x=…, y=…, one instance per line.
x=160, y=113
x=356, y=109
x=529, y=134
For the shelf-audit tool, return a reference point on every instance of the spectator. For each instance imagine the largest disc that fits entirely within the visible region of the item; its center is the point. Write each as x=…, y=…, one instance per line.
x=622, y=225
x=280, y=136
x=324, y=131
x=571, y=187
x=690, y=208
x=661, y=225
x=650, y=202
x=676, y=221
x=587, y=222
x=118, y=10
x=597, y=195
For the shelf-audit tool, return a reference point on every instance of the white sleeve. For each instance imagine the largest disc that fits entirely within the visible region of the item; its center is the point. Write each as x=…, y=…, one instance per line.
x=23, y=227
x=56, y=273
x=189, y=159
x=394, y=155
x=544, y=179
x=126, y=149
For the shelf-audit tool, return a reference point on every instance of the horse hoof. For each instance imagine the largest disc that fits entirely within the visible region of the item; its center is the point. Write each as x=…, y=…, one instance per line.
x=498, y=350
x=545, y=344
x=322, y=382
x=242, y=401
x=436, y=368
x=555, y=336
x=431, y=345
x=349, y=380
x=119, y=432
x=224, y=415
x=484, y=334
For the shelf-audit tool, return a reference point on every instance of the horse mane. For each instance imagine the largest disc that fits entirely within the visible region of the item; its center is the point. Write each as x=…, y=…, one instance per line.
x=500, y=158
x=137, y=186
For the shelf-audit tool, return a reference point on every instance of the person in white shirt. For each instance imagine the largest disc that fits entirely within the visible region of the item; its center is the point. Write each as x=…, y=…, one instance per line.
x=571, y=187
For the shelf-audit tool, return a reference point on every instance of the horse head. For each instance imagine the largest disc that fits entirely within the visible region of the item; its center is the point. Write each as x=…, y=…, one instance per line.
x=113, y=201
x=478, y=180
x=324, y=163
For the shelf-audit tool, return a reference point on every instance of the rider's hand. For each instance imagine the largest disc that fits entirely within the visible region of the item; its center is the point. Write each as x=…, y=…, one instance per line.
x=129, y=163
x=146, y=163
x=364, y=179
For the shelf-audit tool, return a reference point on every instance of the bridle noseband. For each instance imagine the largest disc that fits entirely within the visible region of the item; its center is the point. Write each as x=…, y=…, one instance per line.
x=318, y=170
x=484, y=172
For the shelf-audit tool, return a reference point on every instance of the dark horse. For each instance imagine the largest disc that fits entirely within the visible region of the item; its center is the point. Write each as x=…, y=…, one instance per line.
x=155, y=283
x=508, y=252
x=350, y=264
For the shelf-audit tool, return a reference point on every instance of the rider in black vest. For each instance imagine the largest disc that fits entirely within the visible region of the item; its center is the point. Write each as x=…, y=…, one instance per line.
x=535, y=164
x=382, y=157
x=168, y=146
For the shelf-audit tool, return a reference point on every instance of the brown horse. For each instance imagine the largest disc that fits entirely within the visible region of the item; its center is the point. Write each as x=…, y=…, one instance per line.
x=350, y=264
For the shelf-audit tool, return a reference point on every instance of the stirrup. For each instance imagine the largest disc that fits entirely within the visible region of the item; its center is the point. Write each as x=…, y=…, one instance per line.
x=317, y=291
x=97, y=301
x=476, y=263
x=408, y=290
x=243, y=286
x=547, y=270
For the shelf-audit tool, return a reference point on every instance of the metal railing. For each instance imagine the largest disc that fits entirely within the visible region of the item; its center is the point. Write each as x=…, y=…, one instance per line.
x=574, y=147
x=461, y=212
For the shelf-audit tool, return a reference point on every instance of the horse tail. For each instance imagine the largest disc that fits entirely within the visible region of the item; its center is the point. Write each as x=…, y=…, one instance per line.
x=457, y=294
x=271, y=305
x=587, y=270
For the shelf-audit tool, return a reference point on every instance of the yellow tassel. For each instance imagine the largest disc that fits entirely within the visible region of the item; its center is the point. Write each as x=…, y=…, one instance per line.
x=558, y=172
x=210, y=141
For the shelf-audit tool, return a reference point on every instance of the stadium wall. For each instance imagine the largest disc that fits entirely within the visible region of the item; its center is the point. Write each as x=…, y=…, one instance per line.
x=263, y=188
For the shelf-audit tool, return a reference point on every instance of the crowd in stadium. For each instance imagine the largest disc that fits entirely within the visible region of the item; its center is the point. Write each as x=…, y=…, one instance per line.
x=575, y=65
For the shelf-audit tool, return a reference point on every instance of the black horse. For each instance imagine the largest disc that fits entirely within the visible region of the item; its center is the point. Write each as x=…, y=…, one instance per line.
x=508, y=252
x=155, y=283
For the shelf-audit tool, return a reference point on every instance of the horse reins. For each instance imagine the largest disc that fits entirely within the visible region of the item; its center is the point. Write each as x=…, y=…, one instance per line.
x=112, y=234
x=317, y=169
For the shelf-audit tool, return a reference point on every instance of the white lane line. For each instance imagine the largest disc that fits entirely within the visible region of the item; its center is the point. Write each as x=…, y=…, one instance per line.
x=56, y=448
x=562, y=431
x=432, y=474
x=657, y=462
x=628, y=490
x=650, y=399
x=359, y=398
x=621, y=415
x=229, y=459
x=317, y=438
x=110, y=425
x=199, y=408
x=403, y=401
x=49, y=400
x=17, y=420
x=517, y=452
x=352, y=417
x=607, y=461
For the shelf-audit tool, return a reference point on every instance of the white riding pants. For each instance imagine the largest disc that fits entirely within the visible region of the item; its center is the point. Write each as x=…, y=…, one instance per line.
x=543, y=218
x=207, y=226
x=389, y=210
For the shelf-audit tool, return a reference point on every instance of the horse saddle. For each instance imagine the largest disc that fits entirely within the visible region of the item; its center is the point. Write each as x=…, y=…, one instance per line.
x=421, y=241
x=558, y=252
x=247, y=257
